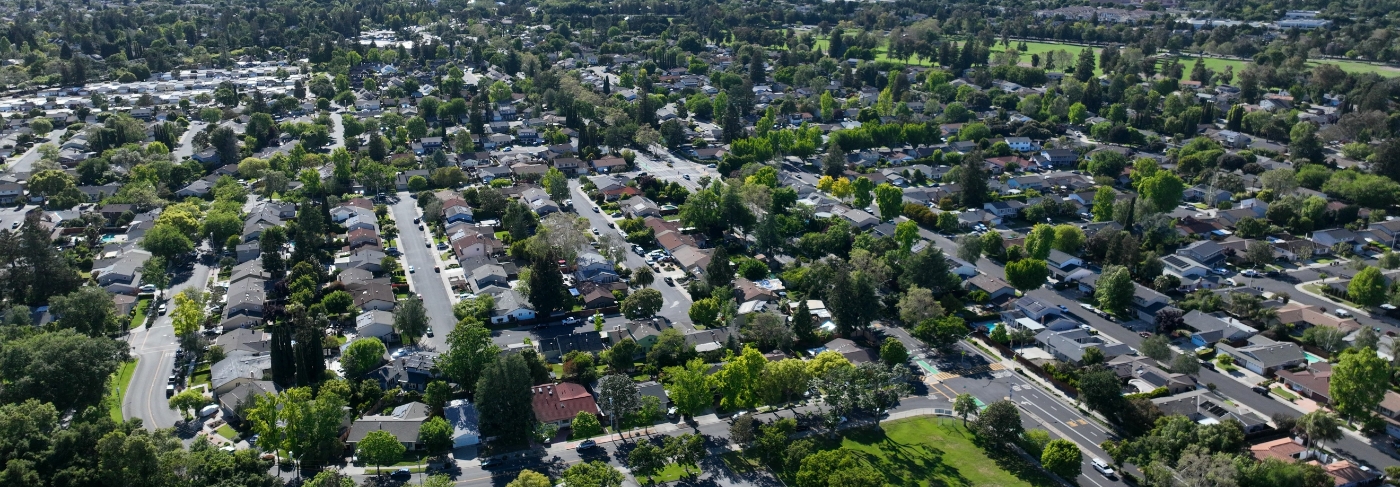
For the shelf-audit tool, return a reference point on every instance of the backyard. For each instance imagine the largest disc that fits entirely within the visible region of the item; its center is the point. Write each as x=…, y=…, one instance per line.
x=935, y=451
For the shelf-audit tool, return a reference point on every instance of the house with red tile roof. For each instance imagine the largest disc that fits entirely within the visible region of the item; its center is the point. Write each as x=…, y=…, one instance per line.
x=557, y=404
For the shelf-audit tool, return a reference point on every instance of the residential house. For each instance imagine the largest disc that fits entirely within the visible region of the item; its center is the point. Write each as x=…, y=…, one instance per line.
x=1207, y=252
x=539, y=201
x=1004, y=209
x=1327, y=239
x=411, y=372
x=639, y=207
x=1063, y=260
x=1147, y=302
x=123, y=276
x=856, y=354
x=237, y=368
x=1314, y=382
x=559, y=346
x=484, y=276
x=511, y=306
x=375, y=324
x=404, y=422
x=1264, y=356
x=644, y=333
x=592, y=266
x=1035, y=309
x=1216, y=327
x=1183, y=267
x=245, y=339
x=1302, y=316
x=1206, y=194
x=1208, y=406
x=362, y=237
x=995, y=288
x=1070, y=345
x=234, y=402
x=374, y=294
x=463, y=416
x=558, y=404
x=1389, y=230
x=246, y=297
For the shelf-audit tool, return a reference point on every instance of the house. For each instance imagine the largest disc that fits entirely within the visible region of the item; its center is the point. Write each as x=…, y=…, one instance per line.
x=1004, y=209
x=236, y=400
x=849, y=349
x=1264, y=356
x=362, y=237
x=237, y=368
x=962, y=268
x=123, y=276
x=401, y=181
x=1284, y=449
x=1063, y=260
x=557, y=347
x=373, y=294
x=1056, y=157
x=1206, y=194
x=1206, y=406
x=246, y=339
x=410, y=372
x=1313, y=382
x=1217, y=327
x=1233, y=139
x=609, y=164
x=510, y=305
x=1144, y=369
x=570, y=166
x=708, y=340
x=247, y=251
x=1207, y=252
x=1331, y=237
x=692, y=259
x=1343, y=473
x=860, y=219
x=1183, y=267
x=1389, y=230
x=746, y=290
x=1021, y=144
x=644, y=333
x=995, y=288
x=538, y=200
x=596, y=295
x=367, y=258
x=375, y=323
x=462, y=415
x=246, y=297
x=558, y=404
x=656, y=390
x=198, y=189
x=592, y=266
x=487, y=275
x=1070, y=345
x=403, y=422
x=1303, y=316
x=10, y=192
x=124, y=303
x=1147, y=302
x=639, y=207
x=1035, y=309
x=458, y=213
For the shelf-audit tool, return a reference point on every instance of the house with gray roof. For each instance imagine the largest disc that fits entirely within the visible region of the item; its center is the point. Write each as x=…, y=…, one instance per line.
x=593, y=267
x=410, y=372
x=246, y=339
x=403, y=422
x=1216, y=327
x=375, y=323
x=124, y=275
x=233, y=402
x=1207, y=252
x=510, y=305
x=1264, y=356
x=237, y=368
x=1205, y=406
x=246, y=297
x=1070, y=345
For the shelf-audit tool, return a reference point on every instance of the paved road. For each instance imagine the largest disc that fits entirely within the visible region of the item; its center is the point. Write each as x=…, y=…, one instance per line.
x=677, y=302
x=145, y=396
x=654, y=163
x=413, y=243
x=186, y=146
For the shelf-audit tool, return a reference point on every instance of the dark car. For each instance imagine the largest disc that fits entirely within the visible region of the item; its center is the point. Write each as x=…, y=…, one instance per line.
x=401, y=474
x=1261, y=390
x=1272, y=273
x=670, y=282
x=587, y=445
x=490, y=462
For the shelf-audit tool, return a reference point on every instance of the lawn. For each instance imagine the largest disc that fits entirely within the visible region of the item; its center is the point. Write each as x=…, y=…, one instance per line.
x=937, y=452
x=672, y=473
x=227, y=431
x=1216, y=64
x=139, y=319
x=118, y=393
x=201, y=375
x=1285, y=393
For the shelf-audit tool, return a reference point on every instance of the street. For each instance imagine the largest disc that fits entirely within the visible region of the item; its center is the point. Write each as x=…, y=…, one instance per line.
x=155, y=347
x=414, y=244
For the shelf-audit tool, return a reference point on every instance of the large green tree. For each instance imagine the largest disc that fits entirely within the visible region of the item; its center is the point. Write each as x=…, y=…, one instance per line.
x=1027, y=274
x=1114, y=291
x=1359, y=381
x=503, y=400
x=89, y=310
x=1063, y=458
x=469, y=352
x=411, y=319
x=1368, y=287
x=65, y=368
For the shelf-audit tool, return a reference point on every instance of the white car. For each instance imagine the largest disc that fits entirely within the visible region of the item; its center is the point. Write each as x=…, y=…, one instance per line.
x=1342, y=313
x=412, y=269
x=571, y=320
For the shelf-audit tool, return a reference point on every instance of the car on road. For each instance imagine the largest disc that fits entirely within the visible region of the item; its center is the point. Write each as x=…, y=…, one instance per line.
x=412, y=269
x=1261, y=390
x=685, y=177
x=1102, y=467
x=669, y=281
x=401, y=474
x=428, y=244
x=1250, y=273
x=169, y=390
x=14, y=225
x=711, y=166
x=1220, y=270
x=417, y=221
x=161, y=310
x=1144, y=334
x=595, y=232
x=1063, y=308
x=1339, y=312
x=1231, y=281
x=437, y=269
x=587, y=445
x=149, y=288
x=595, y=209
x=490, y=462
x=571, y=320
x=1271, y=274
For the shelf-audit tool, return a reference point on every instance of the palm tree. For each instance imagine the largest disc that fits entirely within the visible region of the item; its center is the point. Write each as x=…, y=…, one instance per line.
x=964, y=404
x=1319, y=426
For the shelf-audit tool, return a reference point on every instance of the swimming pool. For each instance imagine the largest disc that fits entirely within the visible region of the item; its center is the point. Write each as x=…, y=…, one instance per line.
x=1312, y=359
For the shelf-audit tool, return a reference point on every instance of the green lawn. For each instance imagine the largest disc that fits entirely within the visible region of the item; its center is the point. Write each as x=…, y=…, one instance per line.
x=227, y=432
x=1216, y=64
x=118, y=393
x=201, y=375
x=672, y=473
x=936, y=452
x=139, y=318
x=1285, y=393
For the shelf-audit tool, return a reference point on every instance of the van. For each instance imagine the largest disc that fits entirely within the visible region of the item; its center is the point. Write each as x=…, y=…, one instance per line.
x=1102, y=467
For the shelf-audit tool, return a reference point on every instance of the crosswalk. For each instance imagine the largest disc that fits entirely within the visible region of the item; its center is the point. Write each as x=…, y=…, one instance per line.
x=981, y=369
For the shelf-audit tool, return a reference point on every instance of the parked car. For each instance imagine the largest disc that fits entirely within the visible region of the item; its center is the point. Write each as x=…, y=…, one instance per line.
x=571, y=321
x=437, y=269
x=430, y=332
x=1342, y=313
x=162, y=309
x=669, y=282
x=587, y=445
x=401, y=474
x=1261, y=390
x=412, y=269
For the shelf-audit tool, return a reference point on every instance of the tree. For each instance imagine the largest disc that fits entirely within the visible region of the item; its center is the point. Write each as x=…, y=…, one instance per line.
x=1259, y=253
x=1084, y=67
x=642, y=276
x=964, y=405
x=737, y=380
x=889, y=200
x=969, y=248
x=546, y=285
x=917, y=305
x=362, y=356
x=436, y=396
x=1068, y=238
x=999, y=423
x=188, y=313
x=1359, y=381
x=1040, y=241
x=1319, y=426
x=186, y=401
x=469, y=352
x=379, y=448
x=892, y=352
x=704, y=312
x=941, y=333
x=556, y=184
x=646, y=459
x=689, y=387
x=167, y=242
x=435, y=435
x=642, y=304
x=1304, y=145
x=685, y=450
x=1104, y=199
x=618, y=396
x=1156, y=347
x=1063, y=458
x=89, y=310
x=592, y=474
x=619, y=356
x=743, y=430
x=1027, y=274
x=1164, y=190
x=1115, y=289
x=1186, y=364
x=528, y=478
x=503, y=400
x=1368, y=287
x=585, y=425
x=411, y=319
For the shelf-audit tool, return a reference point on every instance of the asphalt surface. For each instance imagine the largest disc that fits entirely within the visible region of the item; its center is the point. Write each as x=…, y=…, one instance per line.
x=155, y=347
x=414, y=245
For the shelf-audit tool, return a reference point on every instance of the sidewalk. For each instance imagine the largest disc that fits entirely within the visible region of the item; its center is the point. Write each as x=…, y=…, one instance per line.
x=1330, y=301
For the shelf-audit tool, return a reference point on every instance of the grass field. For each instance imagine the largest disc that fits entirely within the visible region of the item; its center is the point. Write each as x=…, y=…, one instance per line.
x=139, y=318
x=1187, y=60
x=118, y=394
x=227, y=431
x=936, y=452
x=201, y=375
